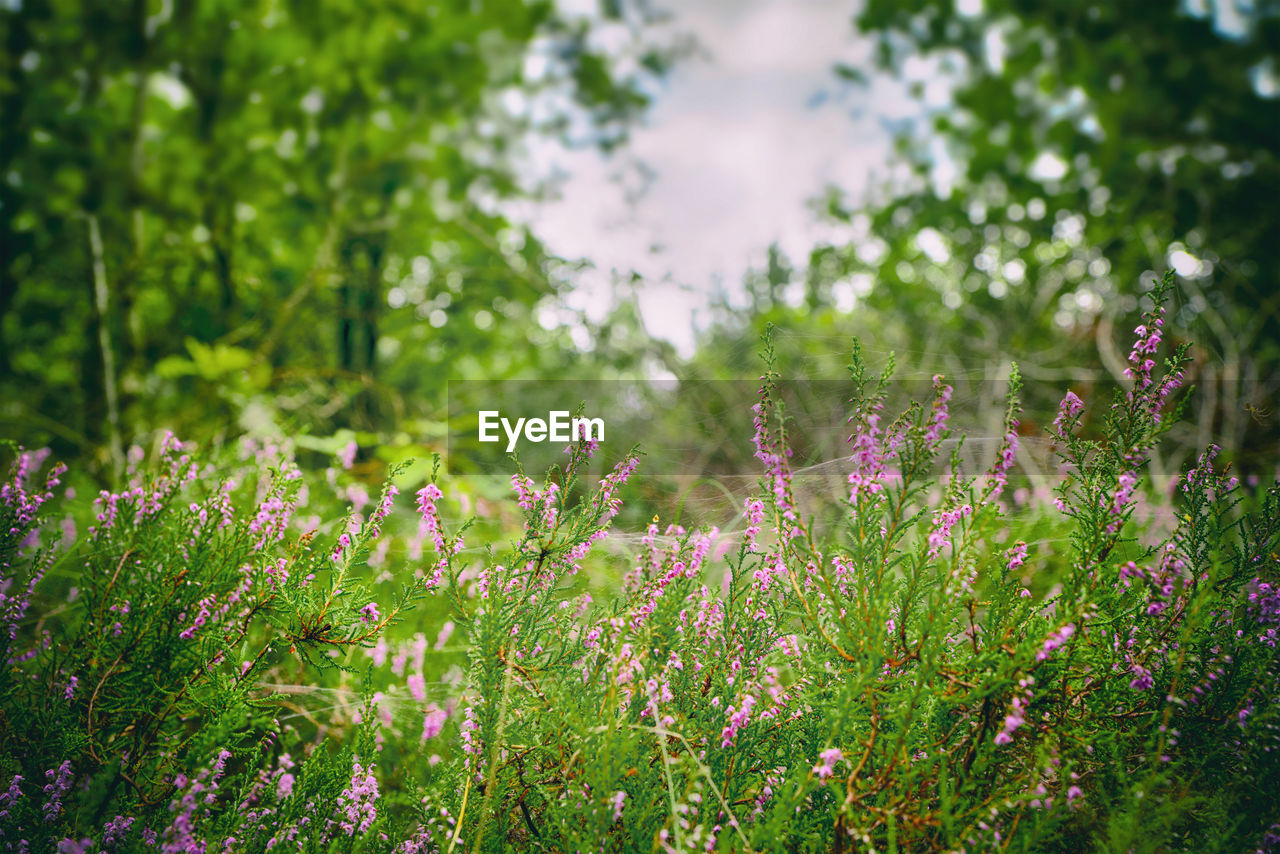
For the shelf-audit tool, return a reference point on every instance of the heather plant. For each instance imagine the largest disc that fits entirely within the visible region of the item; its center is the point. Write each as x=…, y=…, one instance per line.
x=924, y=669
x=144, y=685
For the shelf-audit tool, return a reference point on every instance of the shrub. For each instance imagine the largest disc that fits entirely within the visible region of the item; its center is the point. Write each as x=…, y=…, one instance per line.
x=932, y=673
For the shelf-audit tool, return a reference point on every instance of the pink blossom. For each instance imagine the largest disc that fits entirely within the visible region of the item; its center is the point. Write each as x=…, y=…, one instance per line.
x=1056, y=640
x=827, y=760
x=938, y=420
x=1068, y=411
x=433, y=721
x=940, y=536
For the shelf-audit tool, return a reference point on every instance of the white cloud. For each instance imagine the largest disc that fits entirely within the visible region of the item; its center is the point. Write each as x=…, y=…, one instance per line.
x=738, y=142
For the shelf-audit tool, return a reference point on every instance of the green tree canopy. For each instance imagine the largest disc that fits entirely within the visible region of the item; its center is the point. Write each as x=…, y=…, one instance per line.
x=1086, y=148
x=298, y=204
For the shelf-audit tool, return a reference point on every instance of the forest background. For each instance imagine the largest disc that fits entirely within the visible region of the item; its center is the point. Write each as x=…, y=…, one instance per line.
x=254, y=219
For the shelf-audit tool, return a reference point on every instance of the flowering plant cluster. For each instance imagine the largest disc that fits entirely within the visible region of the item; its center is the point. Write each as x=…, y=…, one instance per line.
x=922, y=669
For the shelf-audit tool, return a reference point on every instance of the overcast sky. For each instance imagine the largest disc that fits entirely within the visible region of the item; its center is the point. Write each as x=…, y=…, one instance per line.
x=738, y=141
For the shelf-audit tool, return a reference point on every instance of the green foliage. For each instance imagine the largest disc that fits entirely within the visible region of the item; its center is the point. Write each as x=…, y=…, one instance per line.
x=304, y=206
x=927, y=670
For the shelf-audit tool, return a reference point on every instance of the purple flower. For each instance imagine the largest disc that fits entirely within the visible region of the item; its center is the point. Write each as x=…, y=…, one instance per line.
x=773, y=453
x=1012, y=721
x=11, y=797
x=611, y=482
x=1007, y=457
x=940, y=536
x=358, y=802
x=201, y=618
x=938, y=420
x=271, y=520
x=827, y=760
x=754, y=513
x=433, y=721
x=1122, y=498
x=868, y=457
x=1147, y=343
x=1142, y=680
x=430, y=516
x=344, y=542
x=738, y=718
x=384, y=506
x=1055, y=640
x=1068, y=411
x=115, y=830
x=469, y=734
x=57, y=788
x=1017, y=556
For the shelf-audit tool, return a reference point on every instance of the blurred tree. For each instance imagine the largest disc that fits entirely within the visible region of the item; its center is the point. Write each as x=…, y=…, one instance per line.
x=1085, y=147
x=216, y=212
